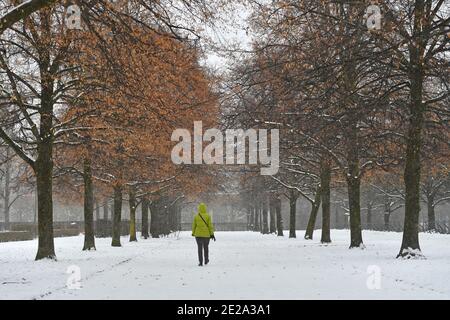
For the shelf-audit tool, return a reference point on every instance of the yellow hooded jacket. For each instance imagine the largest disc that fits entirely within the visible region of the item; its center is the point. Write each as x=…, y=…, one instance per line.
x=199, y=227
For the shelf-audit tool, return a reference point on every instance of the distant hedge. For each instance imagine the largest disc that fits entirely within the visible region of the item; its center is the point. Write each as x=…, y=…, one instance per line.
x=7, y=236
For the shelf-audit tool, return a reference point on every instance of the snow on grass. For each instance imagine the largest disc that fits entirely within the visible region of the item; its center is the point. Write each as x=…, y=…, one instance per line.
x=244, y=265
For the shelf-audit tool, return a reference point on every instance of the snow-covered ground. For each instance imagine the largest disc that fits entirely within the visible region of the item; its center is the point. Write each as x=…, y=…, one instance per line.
x=244, y=265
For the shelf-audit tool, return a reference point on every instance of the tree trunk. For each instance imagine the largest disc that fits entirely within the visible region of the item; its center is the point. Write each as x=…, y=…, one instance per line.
x=172, y=217
x=89, y=240
x=44, y=184
x=105, y=210
x=325, y=179
x=313, y=215
x=354, y=189
x=106, y=229
x=164, y=221
x=44, y=162
x=176, y=215
x=255, y=218
x=257, y=227
x=117, y=216
x=292, y=214
x=7, y=191
x=144, y=208
x=410, y=247
x=154, y=221
x=265, y=216
x=132, y=203
x=260, y=219
x=279, y=217
x=410, y=244
x=355, y=212
x=112, y=208
x=387, y=224
x=431, y=214
x=179, y=218
x=272, y=223
x=97, y=210
x=35, y=209
x=336, y=218
x=369, y=216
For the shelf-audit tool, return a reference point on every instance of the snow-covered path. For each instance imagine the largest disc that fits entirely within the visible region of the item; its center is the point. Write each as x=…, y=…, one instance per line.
x=244, y=265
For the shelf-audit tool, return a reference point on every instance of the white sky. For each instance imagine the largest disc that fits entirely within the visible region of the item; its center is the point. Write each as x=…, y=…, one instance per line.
x=232, y=32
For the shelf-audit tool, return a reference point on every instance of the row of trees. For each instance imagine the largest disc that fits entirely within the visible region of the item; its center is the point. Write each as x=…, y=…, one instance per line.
x=381, y=207
x=355, y=106
x=263, y=207
x=13, y=186
x=91, y=110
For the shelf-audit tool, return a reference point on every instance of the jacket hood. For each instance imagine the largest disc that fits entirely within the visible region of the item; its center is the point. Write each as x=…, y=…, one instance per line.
x=202, y=208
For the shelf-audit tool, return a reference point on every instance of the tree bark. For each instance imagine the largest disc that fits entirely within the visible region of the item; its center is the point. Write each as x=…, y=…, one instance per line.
x=117, y=216
x=253, y=217
x=260, y=219
x=354, y=189
x=89, y=240
x=132, y=203
x=179, y=218
x=7, y=191
x=292, y=214
x=154, y=221
x=165, y=218
x=355, y=212
x=105, y=210
x=257, y=226
x=412, y=187
x=144, y=209
x=431, y=214
x=272, y=223
x=387, y=224
x=313, y=215
x=369, y=216
x=44, y=170
x=279, y=217
x=97, y=210
x=173, y=218
x=265, y=216
x=325, y=179
x=44, y=183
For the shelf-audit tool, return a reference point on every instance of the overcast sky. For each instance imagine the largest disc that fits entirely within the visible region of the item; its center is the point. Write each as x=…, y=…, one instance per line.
x=232, y=33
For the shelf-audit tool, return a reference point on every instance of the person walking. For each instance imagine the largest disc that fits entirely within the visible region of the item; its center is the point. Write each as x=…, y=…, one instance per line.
x=203, y=231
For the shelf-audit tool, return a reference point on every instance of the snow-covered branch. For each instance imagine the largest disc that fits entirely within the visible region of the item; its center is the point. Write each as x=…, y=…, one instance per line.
x=22, y=11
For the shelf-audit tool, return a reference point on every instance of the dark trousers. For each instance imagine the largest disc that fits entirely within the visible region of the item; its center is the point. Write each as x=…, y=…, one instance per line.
x=202, y=244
